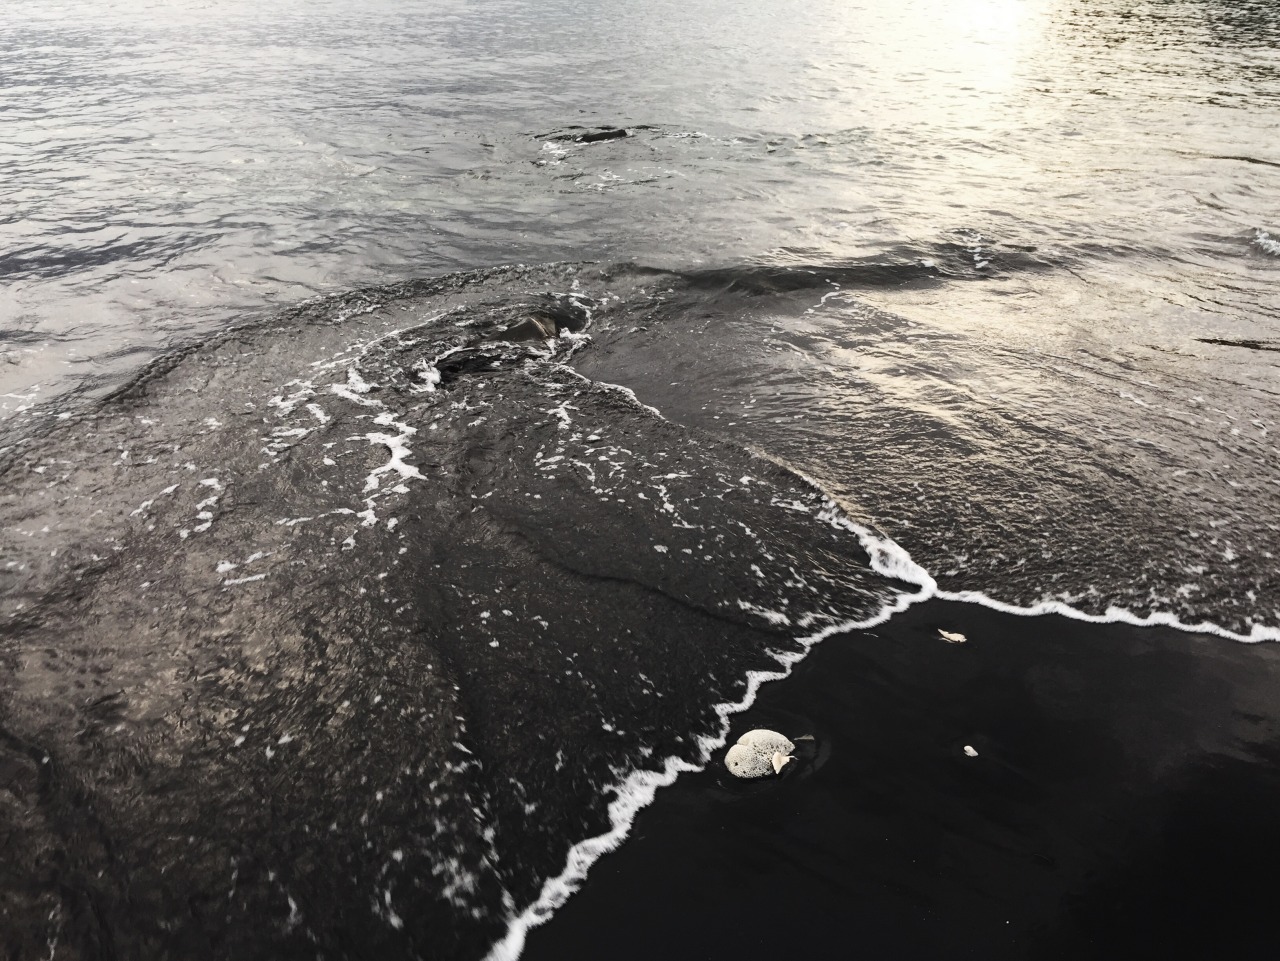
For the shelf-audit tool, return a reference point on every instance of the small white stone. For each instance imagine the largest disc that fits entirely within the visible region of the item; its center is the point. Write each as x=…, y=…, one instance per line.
x=970, y=751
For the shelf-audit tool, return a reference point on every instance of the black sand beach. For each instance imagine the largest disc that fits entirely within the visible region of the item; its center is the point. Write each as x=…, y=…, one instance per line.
x=1121, y=805
x=425, y=423
x=334, y=635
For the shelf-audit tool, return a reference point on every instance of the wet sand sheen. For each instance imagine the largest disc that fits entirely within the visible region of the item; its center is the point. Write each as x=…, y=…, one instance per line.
x=1121, y=801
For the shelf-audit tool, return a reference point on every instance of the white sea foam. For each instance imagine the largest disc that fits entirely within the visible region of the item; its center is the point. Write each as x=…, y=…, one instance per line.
x=346, y=393
x=397, y=446
x=892, y=560
x=318, y=413
x=243, y=580
x=634, y=793
x=1266, y=242
x=361, y=348
x=1114, y=615
x=562, y=412
x=776, y=618
x=638, y=789
x=285, y=403
x=428, y=373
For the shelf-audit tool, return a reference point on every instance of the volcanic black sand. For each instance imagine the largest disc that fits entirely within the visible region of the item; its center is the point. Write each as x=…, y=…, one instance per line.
x=1122, y=804
x=333, y=634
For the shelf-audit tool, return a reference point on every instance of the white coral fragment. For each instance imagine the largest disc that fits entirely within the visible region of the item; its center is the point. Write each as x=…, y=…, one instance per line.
x=757, y=753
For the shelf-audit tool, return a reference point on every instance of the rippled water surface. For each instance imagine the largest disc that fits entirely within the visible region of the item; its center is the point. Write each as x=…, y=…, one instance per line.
x=170, y=167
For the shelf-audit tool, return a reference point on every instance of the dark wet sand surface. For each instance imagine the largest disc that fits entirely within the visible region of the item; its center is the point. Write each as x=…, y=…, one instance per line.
x=1122, y=804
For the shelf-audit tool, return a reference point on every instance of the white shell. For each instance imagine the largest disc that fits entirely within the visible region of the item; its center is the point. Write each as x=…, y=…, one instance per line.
x=754, y=754
x=970, y=751
x=952, y=638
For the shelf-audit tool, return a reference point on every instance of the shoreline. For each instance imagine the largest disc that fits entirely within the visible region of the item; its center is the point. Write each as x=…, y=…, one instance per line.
x=1114, y=773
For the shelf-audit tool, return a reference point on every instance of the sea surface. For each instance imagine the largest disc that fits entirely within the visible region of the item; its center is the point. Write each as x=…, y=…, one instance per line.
x=425, y=424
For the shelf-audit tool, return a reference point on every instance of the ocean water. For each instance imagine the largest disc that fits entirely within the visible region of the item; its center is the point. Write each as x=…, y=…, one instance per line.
x=399, y=487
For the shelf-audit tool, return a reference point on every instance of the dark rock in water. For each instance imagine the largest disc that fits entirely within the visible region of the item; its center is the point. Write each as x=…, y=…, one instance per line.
x=331, y=635
x=577, y=134
x=549, y=318
x=598, y=135
x=531, y=328
x=1247, y=344
x=566, y=312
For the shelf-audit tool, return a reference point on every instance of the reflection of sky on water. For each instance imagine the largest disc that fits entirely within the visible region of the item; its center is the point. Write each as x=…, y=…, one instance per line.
x=933, y=61
x=170, y=166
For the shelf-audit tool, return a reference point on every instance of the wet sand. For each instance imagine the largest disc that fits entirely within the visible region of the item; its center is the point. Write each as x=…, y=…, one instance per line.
x=1121, y=804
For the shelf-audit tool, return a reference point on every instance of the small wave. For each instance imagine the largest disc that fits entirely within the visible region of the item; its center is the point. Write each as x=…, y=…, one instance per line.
x=895, y=268
x=47, y=260
x=1266, y=243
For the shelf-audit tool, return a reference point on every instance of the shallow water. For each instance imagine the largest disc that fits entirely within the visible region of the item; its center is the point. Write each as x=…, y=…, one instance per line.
x=334, y=633
x=332, y=628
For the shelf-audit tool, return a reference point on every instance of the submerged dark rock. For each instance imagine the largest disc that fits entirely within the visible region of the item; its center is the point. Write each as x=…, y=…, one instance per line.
x=597, y=135
x=584, y=135
x=1247, y=344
